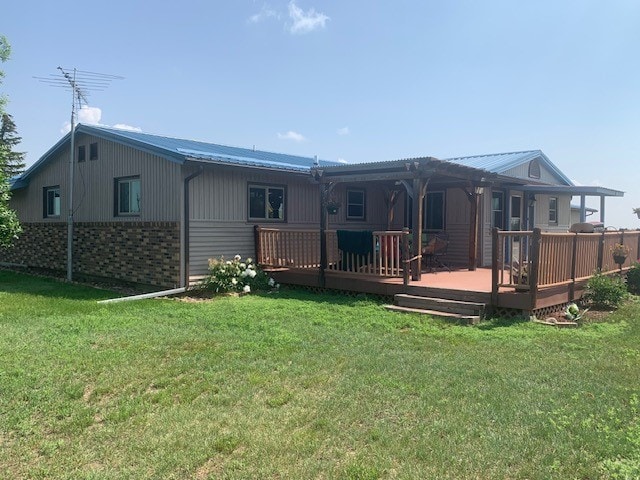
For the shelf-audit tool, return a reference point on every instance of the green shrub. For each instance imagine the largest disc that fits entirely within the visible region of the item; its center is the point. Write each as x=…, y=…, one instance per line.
x=633, y=279
x=236, y=276
x=605, y=291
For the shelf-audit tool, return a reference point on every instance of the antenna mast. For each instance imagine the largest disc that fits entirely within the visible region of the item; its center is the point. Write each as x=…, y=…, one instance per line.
x=81, y=83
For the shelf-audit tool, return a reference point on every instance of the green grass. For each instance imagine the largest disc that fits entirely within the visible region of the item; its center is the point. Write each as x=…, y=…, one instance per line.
x=297, y=385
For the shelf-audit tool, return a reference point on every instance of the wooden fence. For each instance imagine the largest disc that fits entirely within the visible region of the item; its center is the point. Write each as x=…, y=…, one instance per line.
x=530, y=260
x=300, y=249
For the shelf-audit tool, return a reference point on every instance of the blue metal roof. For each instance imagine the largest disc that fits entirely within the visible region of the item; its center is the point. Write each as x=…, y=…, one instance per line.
x=501, y=162
x=180, y=150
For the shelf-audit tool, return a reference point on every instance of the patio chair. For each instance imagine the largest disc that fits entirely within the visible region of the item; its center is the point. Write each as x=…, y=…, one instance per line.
x=434, y=250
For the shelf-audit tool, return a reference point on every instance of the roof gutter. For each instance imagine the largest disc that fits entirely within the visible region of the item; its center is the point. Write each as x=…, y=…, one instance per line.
x=185, y=223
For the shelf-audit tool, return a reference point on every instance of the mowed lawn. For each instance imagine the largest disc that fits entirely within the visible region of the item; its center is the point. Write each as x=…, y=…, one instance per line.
x=299, y=385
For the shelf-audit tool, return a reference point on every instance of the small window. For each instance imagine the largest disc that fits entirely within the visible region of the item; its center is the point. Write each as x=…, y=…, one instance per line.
x=553, y=210
x=93, y=151
x=82, y=153
x=497, y=210
x=434, y=211
x=534, y=169
x=355, y=204
x=266, y=203
x=51, y=201
x=127, y=196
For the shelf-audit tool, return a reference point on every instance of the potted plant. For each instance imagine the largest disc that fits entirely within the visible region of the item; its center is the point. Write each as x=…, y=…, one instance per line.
x=637, y=211
x=620, y=253
x=333, y=206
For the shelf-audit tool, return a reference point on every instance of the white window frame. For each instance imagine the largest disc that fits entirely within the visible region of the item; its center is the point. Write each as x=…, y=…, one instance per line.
x=362, y=204
x=553, y=212
x=130, y=211
x=267, y=206
x=56, y=211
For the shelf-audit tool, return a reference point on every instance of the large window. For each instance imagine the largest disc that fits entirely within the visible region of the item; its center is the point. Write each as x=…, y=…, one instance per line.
x=433, y=211
x=127, y=196
x=553, y=210
x=51, y=201
x=355, y=204
x=497, y=210
x=266, y=202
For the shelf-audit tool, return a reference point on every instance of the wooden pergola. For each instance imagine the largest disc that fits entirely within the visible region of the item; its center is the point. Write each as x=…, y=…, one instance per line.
x=414, y=176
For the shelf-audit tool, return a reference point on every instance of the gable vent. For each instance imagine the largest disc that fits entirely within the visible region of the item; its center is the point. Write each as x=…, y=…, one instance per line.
x=534, y=169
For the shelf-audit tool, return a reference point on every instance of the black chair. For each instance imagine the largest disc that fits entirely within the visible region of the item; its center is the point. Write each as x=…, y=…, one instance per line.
x=434, y=250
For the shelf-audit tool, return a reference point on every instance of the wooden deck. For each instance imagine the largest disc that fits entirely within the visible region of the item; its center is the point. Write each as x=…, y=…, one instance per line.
x=455, y=285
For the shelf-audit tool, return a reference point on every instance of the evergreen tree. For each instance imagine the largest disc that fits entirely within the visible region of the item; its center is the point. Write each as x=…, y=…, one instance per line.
x=10, y=161
x=9, y=225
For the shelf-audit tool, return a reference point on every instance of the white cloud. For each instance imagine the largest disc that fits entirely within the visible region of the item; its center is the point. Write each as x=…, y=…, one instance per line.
x=264, y=14
x=291, y=135
x=343, y=131
x=124, y=126
x=92, y=116
x=342, y=160
x=305, y=22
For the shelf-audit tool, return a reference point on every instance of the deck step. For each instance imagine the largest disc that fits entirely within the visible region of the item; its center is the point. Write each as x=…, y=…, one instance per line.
x=458, y=307
x=471, y=319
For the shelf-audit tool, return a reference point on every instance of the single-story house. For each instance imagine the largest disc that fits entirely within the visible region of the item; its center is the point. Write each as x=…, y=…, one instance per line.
x=153, y=209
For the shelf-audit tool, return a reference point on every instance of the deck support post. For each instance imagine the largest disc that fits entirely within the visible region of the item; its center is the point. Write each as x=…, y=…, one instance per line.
x=406, y=255
x=574, y=259
x=325, y=191
x=418, y=200
x=473, y=196
x=495, y=275
x=535, y=263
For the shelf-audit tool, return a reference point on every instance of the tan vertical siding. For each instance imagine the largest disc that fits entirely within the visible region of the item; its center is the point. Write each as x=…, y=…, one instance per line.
x=94, y=184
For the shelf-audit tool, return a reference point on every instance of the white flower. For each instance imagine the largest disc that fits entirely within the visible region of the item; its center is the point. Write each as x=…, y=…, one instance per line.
x=242, y=265
x=251, y=273
x=271, y=282
x=249, y=260
x=237, y=258
x=243, y=273
x=228, y=262
x=277, y=285
x=246, y=289
x=234, y=281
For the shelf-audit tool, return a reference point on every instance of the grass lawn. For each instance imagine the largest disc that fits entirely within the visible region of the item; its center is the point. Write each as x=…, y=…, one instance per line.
x=297, y=385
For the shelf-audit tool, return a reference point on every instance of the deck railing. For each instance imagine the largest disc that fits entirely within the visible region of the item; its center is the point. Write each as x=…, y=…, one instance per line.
x=300, y=249
x=530, y=260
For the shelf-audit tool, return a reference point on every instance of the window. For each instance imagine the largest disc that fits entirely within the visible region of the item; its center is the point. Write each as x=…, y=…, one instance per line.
x=266, y=203
x=433, y=211
x=82, y=153
x=51, y=201
x=355, y=205
x=93, y=151
x=553, y=210
x=497, y=210
x=127, y=196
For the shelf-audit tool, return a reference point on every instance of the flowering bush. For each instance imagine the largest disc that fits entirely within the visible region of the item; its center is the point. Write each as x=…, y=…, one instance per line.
x=236, y=276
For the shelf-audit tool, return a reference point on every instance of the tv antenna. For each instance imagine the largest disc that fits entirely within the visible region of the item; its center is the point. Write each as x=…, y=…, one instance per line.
x=81, y=84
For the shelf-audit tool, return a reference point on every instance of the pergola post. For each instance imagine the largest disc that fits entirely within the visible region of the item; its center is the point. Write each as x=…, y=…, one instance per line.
x=416, y=223
x=325, y=190
x=602, y=197
x=583, y=209
x=473, y=227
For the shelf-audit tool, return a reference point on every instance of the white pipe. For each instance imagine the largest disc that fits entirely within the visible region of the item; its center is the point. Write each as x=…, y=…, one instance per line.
x=163, y=293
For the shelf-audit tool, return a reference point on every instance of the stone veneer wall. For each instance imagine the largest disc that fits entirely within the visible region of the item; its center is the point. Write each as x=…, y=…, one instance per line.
x=141, y=252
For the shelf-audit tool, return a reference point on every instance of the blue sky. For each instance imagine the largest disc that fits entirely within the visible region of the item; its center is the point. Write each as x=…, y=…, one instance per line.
x=350, y=80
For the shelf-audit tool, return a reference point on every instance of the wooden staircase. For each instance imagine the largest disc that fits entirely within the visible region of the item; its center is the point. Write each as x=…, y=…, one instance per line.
x=462, y=309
